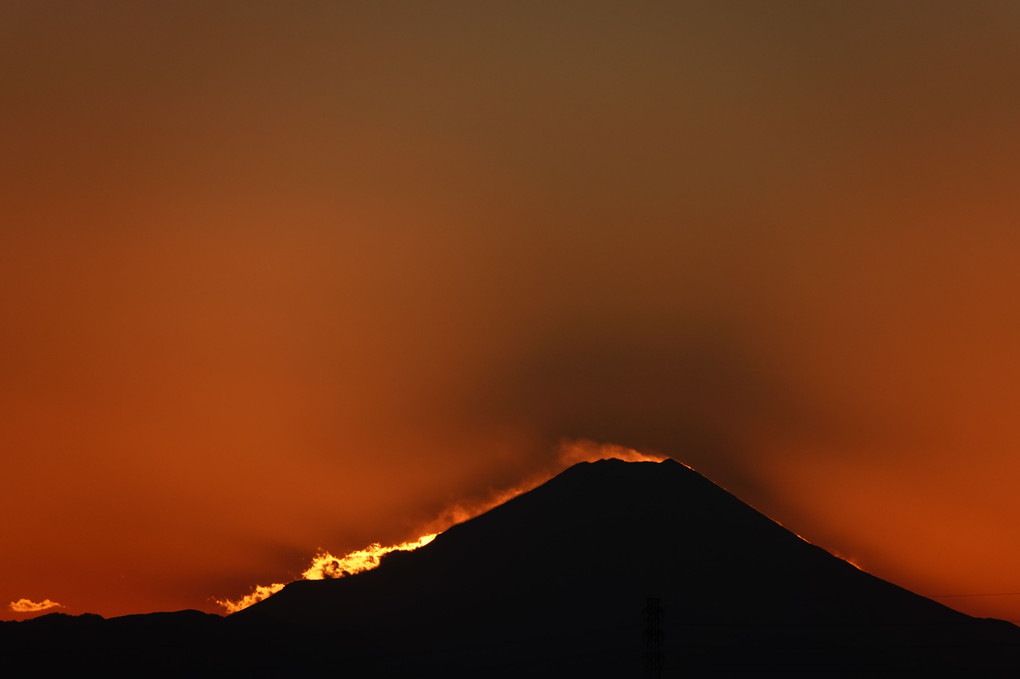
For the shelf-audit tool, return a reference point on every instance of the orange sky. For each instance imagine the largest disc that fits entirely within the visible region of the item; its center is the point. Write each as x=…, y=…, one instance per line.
x=277, y=277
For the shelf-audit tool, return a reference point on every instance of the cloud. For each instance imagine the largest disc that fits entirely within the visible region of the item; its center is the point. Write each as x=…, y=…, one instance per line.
x=257, y=594
x=327, y=566
x=29, y=606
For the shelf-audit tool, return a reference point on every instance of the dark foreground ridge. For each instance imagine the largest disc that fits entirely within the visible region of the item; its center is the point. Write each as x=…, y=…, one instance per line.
x=611, y=569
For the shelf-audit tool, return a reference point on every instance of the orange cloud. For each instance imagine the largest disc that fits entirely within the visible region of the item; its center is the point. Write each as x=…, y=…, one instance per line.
x=572, y=452
x=328, y=566
x=29, y=606
x=258, y=594
x=325, y=565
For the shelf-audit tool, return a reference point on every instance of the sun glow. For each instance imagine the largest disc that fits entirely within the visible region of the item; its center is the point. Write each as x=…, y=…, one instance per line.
x=328, y=566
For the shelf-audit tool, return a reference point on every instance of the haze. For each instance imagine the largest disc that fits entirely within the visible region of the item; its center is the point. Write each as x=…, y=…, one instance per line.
x=278, y=277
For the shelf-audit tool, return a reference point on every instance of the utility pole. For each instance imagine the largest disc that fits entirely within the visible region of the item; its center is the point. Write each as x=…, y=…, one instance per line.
x=653, y=635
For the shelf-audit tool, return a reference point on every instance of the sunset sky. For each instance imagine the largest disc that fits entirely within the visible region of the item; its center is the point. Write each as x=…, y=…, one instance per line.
x=282, y=276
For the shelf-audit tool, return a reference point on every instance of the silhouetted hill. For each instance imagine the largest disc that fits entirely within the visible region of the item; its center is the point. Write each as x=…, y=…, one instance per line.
x=556, y=582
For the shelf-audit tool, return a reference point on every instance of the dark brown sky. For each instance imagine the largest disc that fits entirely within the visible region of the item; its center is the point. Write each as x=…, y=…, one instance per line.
x=281, y=276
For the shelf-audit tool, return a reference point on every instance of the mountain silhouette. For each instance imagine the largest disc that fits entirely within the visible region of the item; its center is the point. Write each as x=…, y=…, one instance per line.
x=557, y=581
x=611, y=569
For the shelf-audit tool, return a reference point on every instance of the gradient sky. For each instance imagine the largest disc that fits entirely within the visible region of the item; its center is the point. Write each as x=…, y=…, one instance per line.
x=282, y=276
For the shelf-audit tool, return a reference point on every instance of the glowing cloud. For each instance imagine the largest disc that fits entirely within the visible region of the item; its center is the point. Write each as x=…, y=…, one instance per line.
x=325, y=565
x=29, y=606
x=583, y=450
x=258, y=594
x=328, y=566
